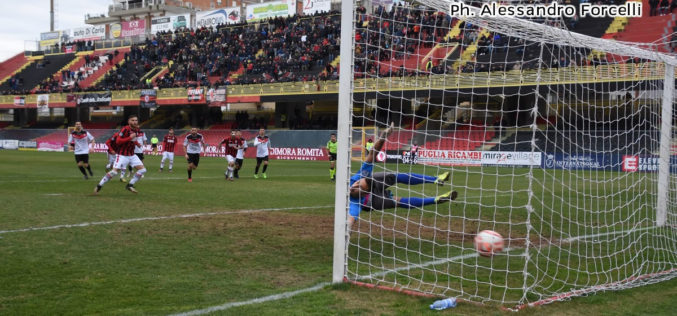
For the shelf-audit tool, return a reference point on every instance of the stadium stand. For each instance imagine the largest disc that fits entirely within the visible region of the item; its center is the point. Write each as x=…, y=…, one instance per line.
x=650, y=28
x=12, y=65
x=104, y=68
x=80, y=72
x=31, y=76
x=636, y=142
x=306, y=49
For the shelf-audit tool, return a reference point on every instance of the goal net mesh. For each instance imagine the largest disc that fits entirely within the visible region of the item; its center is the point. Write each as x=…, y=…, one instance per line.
x=552, y=139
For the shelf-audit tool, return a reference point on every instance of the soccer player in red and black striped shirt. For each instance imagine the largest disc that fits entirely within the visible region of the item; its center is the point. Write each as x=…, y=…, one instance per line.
x=126, y=140
x=112, y=151
x=168, y=144
x=233, y=144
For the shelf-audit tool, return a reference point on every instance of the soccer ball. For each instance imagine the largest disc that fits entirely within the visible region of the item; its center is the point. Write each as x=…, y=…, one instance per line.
x=488, y=242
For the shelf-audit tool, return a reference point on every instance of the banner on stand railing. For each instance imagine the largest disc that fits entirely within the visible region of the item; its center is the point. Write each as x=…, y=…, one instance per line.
x=195, y=95
x=43, y=102
x=94, y=99
x=217, y=97
x=19, y=100
x=148, y=98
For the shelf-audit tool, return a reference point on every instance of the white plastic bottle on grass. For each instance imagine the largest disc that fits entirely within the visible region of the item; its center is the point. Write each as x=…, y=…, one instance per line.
x=444, y=304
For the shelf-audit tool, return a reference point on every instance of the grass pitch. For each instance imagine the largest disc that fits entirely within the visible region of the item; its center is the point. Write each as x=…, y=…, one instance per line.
x=255, y=238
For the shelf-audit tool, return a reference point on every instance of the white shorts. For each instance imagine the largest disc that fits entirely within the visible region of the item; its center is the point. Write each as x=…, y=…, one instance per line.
x=230, y=159
x=111, y=158
x=121, y=162
x=168, y=155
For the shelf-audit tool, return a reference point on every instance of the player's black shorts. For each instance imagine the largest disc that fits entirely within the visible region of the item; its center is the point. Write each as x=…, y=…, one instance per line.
x=82, y=157
x=194, y=159
x=239, y=162
x=140, y=156
x=381, y=198
x=153, y=146
x=259, y=159
x=332, y=157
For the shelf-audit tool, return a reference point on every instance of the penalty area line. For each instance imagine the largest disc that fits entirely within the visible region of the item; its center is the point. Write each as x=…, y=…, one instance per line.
x=141, y=219
x=264, y=299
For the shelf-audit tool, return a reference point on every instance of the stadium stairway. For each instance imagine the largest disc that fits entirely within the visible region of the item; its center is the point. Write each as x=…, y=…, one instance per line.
x=469, y=52
x=152, y=73
x=413, y=62
x=99, y=74
x=164, y=71
x=74, y=65
x=34, y=75
x=236, y=74
x=442, y=51
x=78, y=64
x=12, y=65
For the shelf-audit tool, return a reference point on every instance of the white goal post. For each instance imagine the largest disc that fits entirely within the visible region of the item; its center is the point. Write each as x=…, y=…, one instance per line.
x=561, y=142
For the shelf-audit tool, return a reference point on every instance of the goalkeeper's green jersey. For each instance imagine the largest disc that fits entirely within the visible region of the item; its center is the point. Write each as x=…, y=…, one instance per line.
x=332, y=147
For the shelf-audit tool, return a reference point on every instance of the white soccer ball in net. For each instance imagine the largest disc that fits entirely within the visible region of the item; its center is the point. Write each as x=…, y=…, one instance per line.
x=488, y=242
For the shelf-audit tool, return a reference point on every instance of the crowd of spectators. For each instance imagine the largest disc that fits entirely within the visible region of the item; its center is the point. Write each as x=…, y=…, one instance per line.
x=279, y=50
x=302, y=48
x=397, y=34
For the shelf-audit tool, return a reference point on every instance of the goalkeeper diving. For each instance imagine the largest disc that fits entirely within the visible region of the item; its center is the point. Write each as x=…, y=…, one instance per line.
x=370, y=191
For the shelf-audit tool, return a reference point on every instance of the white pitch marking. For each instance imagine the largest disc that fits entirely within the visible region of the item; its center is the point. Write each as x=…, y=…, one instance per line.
x=269, y=298
x=53, y=194
x=132, y=220
x=147, y=178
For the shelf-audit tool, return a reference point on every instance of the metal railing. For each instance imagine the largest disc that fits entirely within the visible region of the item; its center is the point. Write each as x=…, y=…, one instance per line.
x=512, y=78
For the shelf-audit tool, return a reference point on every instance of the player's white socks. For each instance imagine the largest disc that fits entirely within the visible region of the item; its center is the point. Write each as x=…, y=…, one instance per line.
x=230, y=172
x=137, y=176
x=106, y=177
x=122, y=173
x=171, y=164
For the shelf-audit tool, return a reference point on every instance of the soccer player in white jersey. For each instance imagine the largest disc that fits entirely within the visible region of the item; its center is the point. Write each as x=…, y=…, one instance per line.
x=193, y=145
x=262, y=144
x=80, y=140
x=239, y=158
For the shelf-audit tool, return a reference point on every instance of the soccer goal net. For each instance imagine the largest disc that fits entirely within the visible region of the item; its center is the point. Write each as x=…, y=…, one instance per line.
x=561, y=142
